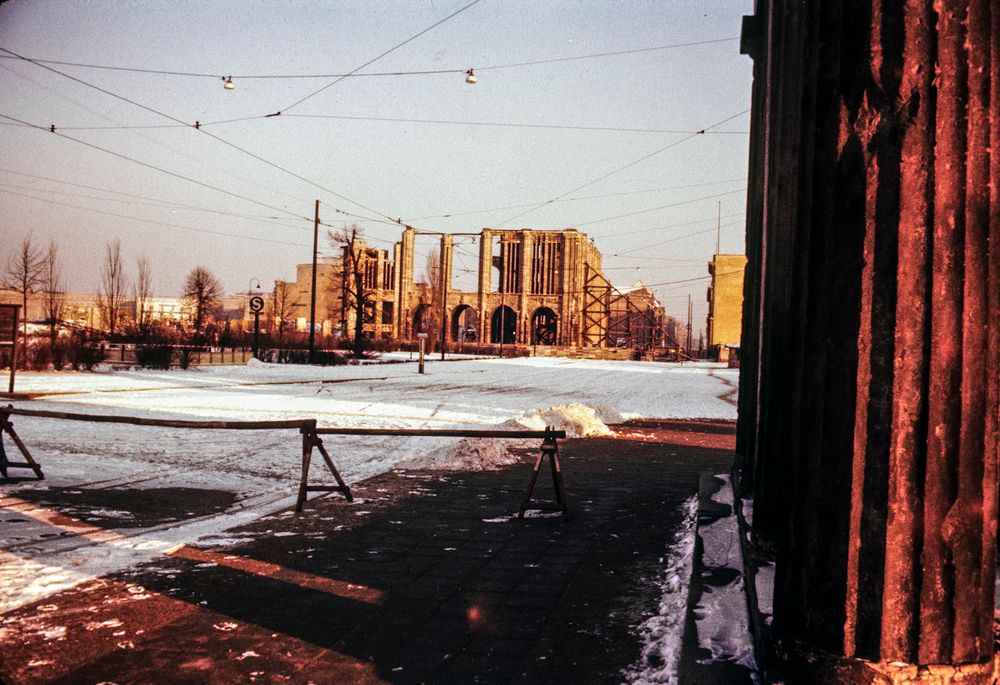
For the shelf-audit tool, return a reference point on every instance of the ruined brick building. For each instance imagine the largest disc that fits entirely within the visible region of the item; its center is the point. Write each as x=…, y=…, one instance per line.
x=534, y=287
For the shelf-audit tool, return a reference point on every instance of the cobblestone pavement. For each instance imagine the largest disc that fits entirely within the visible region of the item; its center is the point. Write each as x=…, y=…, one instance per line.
x=426, y=577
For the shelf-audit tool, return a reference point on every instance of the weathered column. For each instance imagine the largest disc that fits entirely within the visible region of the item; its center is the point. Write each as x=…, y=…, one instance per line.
x=404, y=276
x=526, y=240
x=876, y=418
x=485, y=273
x=397, y=330
x=447, y=255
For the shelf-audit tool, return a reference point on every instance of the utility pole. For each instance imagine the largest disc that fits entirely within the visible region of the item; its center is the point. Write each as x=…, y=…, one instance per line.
x=688, y=346
x=444, y=297
x=312, y=295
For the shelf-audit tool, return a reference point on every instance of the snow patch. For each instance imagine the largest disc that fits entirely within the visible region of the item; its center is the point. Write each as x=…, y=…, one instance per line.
x=467, y=454
x=662, y=633
x=578, y=420
x=722, y=621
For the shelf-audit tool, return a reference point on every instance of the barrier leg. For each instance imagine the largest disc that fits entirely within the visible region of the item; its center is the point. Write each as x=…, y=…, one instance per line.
x=549, y=449
x=5, y=462
x=307, y=446
x=557, y=480
x=333, y=469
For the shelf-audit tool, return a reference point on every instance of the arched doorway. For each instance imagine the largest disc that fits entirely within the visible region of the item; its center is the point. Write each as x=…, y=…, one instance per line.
x=505, y=320
x=464, y=324
x=421, y=319
x=543, y=327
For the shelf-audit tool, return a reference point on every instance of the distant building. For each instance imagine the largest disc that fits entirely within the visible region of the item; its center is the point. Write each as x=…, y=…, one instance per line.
x=725, y=303
x=636, y=318
x=534, y=287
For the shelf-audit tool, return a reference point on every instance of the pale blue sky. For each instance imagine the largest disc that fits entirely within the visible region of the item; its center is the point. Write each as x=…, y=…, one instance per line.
x=414, y=171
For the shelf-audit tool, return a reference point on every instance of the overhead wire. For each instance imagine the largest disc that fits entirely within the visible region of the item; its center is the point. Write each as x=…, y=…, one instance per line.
x=105, y=212
x=581, y=197
x=355, y=74
x=624, y=167
x=207, y=133
x=153, y=167
x=655, y=209
x=103, y=115
x=379, y=56
x=402, y=120
x=144, y=199
x=500, y=124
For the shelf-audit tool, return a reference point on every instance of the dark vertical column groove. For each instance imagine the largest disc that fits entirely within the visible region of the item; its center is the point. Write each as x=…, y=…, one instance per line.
x=907, y=444
x=965, y=516
x=944, y=410
x=991, y=442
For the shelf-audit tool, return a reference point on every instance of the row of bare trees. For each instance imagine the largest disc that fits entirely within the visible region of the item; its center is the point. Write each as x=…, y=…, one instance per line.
x=33, y=269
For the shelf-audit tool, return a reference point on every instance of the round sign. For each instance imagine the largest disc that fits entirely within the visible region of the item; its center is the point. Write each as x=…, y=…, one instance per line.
x=256, y=304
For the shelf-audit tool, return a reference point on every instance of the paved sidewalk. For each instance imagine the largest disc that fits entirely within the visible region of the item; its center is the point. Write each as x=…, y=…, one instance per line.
x=427, y=577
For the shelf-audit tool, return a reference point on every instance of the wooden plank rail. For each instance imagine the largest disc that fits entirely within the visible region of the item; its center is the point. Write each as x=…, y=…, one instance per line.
x=310, y=439
x=445, y=432
x=297, y=424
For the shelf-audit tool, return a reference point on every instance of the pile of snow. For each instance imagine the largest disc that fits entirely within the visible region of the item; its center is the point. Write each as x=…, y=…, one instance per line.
x=467, y=454
x=578, y=420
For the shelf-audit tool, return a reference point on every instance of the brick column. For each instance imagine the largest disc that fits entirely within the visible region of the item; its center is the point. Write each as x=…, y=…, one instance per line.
x=404, y=276
x=524, y=288
x=485, y=272
x=447, y=255
x=878, y=267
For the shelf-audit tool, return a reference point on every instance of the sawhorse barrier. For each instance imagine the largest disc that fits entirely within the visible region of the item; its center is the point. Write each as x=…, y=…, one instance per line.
x=310, y=440
x=7, y=427
x=5, y=462
x=549, y=449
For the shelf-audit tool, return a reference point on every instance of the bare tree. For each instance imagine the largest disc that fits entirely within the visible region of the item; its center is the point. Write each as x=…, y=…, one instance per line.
x=112, y=294
x=53, y=289
x=203, y=290
x=23, y=274
x=281, y=306
x=143, y=293
x=355, y=292
x=432, y=274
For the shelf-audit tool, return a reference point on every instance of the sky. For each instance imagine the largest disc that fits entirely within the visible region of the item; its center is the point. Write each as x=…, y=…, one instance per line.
x=428, y=149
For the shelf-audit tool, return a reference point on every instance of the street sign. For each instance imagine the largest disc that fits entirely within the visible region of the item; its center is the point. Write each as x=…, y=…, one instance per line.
x=256, y=304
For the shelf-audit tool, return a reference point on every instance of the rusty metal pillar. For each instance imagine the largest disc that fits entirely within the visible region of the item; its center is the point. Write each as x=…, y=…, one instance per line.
x=876, y=453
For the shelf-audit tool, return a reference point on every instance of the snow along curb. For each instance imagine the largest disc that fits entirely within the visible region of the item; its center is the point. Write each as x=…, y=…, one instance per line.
x=721, y=619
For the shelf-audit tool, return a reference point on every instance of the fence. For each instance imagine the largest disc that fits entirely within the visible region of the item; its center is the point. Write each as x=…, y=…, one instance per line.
x=311, y=439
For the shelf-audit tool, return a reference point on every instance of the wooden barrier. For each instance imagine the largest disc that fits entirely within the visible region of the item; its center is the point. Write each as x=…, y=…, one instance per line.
x=549, y=449
x=310, y=440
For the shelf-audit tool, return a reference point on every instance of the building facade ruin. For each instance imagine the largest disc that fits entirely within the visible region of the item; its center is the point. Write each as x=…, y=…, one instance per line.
x=533, y=287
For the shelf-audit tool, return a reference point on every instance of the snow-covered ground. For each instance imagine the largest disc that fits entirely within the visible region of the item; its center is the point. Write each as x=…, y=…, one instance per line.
x=262, y=467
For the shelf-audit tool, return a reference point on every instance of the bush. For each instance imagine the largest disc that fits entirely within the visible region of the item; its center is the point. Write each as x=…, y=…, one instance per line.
x=154, y=356
x=84, y=353
x=297, y=356
x=61, y=353
x=39, y=356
